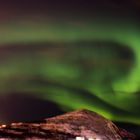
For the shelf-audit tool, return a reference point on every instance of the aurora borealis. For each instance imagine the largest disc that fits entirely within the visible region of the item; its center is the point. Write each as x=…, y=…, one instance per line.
x=73, y=58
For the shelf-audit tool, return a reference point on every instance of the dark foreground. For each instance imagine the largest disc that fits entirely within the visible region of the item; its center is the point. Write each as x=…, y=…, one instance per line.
x=82, y=124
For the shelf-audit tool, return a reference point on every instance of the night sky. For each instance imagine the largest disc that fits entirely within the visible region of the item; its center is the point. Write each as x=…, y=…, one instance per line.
x=57, y=56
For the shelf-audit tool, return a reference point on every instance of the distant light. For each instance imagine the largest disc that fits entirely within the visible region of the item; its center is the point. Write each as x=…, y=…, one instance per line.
x=3, y=126
x=82, y=138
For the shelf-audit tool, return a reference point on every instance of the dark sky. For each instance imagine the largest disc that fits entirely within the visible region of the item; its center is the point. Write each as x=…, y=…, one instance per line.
x=25, y=107
x=64, y=6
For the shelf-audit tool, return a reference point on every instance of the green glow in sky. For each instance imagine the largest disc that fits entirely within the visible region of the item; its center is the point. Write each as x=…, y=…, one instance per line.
x=68, y=74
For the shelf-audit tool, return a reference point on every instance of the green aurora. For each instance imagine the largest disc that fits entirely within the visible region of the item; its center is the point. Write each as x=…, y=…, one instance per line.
x=64, y=79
